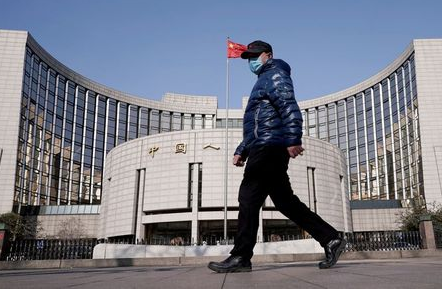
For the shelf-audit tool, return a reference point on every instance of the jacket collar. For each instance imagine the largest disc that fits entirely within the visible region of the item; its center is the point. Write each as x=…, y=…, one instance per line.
x=272, y=64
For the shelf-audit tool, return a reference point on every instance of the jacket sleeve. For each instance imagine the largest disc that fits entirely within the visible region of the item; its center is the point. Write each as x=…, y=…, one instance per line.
x=242, y=150
x=282, y=97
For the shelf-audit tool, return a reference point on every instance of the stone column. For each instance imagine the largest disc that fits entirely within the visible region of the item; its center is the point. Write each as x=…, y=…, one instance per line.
x=427, y=232
x=194, y=223
x=260, y=234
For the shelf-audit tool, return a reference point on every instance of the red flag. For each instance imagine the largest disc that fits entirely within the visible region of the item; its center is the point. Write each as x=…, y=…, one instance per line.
x=234, y=50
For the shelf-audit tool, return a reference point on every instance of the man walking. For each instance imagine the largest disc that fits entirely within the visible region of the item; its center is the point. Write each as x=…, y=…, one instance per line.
x=272, y=135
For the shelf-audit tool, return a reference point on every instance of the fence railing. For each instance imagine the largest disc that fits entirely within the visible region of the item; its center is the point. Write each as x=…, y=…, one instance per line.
x=361, y=241
x=83, y=248
x=171, y=241
x=438, y=236
x=383, y=241
x=51, y=249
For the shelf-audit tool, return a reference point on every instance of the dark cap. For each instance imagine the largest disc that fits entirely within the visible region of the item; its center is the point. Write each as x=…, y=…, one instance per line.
x=254, y=49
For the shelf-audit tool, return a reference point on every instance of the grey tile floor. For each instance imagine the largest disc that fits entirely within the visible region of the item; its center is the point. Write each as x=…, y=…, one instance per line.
x=403, y=273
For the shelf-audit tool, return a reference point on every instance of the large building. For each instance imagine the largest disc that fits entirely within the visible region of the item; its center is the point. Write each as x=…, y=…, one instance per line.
x=57, y=127
x=171, y=185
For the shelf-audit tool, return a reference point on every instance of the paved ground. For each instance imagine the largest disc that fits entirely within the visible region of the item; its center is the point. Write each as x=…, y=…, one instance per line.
x=402, y=273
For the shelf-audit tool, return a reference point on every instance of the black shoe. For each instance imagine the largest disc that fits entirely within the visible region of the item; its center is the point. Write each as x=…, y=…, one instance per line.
x=333, y=250
x=231, y=264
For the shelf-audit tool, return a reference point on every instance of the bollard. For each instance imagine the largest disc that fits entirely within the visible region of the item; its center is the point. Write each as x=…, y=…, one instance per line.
x=427, y=232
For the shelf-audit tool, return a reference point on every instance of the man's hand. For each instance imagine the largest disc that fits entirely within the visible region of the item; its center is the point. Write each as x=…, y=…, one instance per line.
x=237, y=161
x=295, y=150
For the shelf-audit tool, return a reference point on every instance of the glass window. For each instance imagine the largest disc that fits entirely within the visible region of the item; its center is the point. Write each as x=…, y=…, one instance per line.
x=144, y=122
x=176, y=121
x=304, y=123
x=311, y=117
x=394, y=100
x=208, y=122
x=322, y=118
x=386, y=106
x=332, y=124
x=90, y=115
x=102, y=106
x=351, y=123
x=77, y=152
x=98, y=158
x=86, y=185
x=111, y=124
x=199, y=122
x=133, y=117
x=122, y=123
x=221, y=123
x=71, y=93
x=60, y=96
x=154, y=122
x=342, y=128
x=312, y=122
x=165, y=121
x=133, y=122
x=42, y=85
x=187, y=121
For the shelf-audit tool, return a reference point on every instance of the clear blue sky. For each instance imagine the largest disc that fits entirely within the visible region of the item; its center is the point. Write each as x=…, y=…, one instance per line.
x=147, y=48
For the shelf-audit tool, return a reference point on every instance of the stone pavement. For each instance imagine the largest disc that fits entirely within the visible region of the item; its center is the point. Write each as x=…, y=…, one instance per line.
x=391, y=273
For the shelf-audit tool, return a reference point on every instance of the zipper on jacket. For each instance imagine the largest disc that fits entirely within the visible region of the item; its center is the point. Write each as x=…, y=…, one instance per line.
x=256, y=122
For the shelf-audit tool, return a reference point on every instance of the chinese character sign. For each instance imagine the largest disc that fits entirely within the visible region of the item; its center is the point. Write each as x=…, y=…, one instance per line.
x=180, y=148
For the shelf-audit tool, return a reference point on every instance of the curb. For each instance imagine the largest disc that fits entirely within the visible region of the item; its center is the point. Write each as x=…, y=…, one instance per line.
x=202, y=260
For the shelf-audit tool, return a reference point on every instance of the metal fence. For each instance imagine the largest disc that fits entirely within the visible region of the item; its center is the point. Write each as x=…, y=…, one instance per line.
x=160, y=241
x=51, y=249
x=361, y=241
x=438, y=236
x=83, y=248
x=171, y=241
x=383, y=241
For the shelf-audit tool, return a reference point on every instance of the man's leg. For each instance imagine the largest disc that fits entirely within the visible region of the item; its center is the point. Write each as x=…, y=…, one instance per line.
x=289, y=204
x=251, y=197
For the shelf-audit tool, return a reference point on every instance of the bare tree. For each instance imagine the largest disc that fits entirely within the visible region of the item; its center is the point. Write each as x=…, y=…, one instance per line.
x=21, y=227
x=72, y=228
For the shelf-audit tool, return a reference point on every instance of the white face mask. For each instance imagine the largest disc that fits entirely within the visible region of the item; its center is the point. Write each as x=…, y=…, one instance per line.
x=255, y=65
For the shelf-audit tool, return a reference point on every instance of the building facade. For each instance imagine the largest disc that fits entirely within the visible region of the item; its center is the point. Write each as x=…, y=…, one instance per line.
x=171, y=185
x=376, y=125
x=58, y=126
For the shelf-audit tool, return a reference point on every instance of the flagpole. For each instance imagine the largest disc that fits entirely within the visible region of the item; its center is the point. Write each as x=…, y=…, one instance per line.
x=226, y=161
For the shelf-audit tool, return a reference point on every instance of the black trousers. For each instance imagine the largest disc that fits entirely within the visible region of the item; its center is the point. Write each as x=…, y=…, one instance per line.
x=266, y=174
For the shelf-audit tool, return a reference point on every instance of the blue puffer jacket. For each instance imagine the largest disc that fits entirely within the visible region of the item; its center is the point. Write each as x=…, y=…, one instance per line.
x=272, y=115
